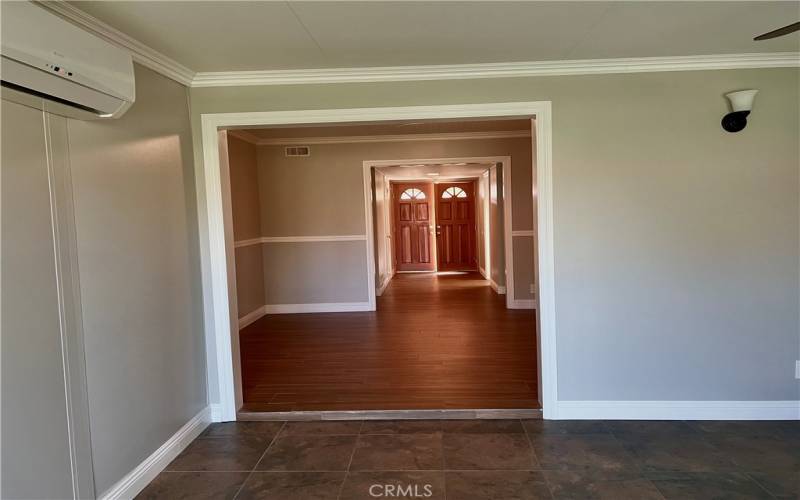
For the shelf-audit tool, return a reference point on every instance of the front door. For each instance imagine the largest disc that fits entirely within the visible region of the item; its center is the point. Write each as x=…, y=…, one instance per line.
x=455, y=226
x=412, y=226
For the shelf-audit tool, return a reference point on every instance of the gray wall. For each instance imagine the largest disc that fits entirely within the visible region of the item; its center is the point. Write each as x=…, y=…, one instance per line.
x=137, y=251
x=130, y=315
x=35, y=433
x=676, y=243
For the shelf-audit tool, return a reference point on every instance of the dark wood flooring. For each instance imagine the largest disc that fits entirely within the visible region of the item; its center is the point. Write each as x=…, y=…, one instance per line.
x=435, y=342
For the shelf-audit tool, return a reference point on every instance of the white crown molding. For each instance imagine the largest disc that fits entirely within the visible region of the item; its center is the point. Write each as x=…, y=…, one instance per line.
x=351, y=139
x=497, y=70
x=141, y=53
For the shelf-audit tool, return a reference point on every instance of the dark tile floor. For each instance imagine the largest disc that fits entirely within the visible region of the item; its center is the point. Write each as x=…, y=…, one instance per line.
x=487, y=459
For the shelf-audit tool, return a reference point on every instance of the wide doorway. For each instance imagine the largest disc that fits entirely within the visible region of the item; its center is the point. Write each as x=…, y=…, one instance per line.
x=432, y=308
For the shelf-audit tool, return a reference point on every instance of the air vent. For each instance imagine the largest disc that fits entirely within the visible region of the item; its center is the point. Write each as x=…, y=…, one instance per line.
x=298, y=151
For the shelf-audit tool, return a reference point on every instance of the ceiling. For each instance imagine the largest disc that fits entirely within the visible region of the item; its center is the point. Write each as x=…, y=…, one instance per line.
x=210, y=36
x=418, y=127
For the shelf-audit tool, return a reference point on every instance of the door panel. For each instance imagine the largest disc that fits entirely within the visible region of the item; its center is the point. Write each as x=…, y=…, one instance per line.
x=412, y=213
x=455, y=221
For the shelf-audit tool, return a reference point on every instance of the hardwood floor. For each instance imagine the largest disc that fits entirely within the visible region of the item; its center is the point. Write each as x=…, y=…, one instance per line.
x=435, y=342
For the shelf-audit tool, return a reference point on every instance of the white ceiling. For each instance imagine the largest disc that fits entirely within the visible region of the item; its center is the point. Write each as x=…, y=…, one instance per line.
x=237, y=36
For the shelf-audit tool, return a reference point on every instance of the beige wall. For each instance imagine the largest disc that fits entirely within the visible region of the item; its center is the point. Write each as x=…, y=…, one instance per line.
x=246, y=213
x=323, y=195
x=675, y=242
x=245, y=201
x=139, y=275
x=316, y=272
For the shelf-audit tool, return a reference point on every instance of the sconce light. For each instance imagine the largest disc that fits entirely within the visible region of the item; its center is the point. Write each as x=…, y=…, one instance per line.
x=741, y=105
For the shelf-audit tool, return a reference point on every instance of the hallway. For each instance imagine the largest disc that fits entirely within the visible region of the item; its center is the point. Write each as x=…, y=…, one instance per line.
x=435, y=342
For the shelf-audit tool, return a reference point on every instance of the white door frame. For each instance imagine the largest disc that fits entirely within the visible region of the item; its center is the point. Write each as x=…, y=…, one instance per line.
x=222, y=366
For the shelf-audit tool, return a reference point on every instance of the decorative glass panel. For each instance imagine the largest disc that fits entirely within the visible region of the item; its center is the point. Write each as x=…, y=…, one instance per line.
x=454, y=191
x=412, y=194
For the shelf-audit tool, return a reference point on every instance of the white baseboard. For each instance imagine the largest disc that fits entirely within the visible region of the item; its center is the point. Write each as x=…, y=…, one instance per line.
x=483, y=273
x=318, y=308
x=500, y=290
x=380, y=289
x=678, y=410
x=522, y=304
x=136, y=480
x=251, y=317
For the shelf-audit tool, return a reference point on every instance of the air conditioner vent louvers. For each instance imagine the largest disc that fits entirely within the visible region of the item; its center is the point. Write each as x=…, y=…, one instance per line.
x=298, y=150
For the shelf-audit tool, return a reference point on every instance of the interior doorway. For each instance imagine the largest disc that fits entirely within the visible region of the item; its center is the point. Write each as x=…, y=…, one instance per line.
x=354, y=237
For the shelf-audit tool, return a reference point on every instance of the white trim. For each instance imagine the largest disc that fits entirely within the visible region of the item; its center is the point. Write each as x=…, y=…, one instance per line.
x=136, y=480
x=545, y=260
x=212, y=234
x=679, y=410
x=508, y=241
x=483, y=273
x=216, y=412
x=312, y=239
x=247, y=243
x=352, y=139
x=298, y=239
x=526, y=232
x=382, y=288
x=499, y=290
x=497, y=70
x=252, y=316
x=322, y=307
x=140, y=52
x=522, y=304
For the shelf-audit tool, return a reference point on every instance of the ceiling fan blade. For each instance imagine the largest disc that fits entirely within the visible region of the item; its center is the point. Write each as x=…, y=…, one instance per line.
x=779, y=32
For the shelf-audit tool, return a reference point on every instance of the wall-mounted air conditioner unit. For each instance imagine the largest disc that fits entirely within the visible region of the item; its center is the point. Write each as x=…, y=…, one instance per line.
x=51, y=64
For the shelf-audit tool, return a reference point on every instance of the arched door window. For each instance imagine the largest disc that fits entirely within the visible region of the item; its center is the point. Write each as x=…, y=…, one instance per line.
x=412, y=194
x=454, y=192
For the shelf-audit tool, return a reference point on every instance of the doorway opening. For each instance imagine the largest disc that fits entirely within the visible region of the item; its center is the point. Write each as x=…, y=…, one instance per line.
x=307, y=238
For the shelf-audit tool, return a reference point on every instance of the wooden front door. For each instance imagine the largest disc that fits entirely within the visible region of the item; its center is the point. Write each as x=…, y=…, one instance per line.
x=455, y=226
x=412, y=226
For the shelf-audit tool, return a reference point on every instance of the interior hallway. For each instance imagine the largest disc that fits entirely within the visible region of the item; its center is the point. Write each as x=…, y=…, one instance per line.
x=436, y=341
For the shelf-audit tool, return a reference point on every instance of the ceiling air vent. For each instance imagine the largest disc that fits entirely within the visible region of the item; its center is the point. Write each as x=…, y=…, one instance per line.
x=298, y=151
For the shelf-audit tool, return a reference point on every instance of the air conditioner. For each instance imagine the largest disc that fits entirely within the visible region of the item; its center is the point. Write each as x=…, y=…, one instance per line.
x=51, y=64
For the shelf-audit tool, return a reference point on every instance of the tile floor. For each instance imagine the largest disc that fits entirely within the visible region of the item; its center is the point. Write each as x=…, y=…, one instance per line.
x=487, y=459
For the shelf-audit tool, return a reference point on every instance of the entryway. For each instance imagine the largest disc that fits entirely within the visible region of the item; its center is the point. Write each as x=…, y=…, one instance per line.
x=305, y=276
